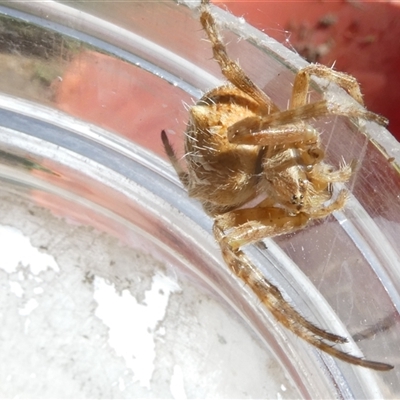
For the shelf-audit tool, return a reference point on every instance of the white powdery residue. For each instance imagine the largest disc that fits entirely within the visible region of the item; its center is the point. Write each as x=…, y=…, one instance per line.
x=29, y=306
x=16, y=248
x=121, y=384
x=27, y=324
x=38, y=290
x=131, y=325
x=176, y=386
x=161, y=331
x=16, y=288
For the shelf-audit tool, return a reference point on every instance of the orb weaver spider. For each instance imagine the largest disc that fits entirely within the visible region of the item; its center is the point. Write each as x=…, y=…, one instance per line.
x=239, y=145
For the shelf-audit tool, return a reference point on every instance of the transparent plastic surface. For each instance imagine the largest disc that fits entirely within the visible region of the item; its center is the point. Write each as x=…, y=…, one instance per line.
x=104, y=78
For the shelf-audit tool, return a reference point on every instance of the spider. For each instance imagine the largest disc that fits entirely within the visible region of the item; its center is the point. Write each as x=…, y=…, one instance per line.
x=238, y=146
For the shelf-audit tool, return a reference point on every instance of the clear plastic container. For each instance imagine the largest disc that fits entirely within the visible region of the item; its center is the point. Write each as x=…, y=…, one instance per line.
x=86, y=89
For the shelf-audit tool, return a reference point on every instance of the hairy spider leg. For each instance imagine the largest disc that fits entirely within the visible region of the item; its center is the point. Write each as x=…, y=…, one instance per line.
x=250, y=225
x=272, y=298
x=182, y=175
x=235, y=74
x=347, y=82
x=230, y=69
x=275, y=302
x=302, y=83
x=286, y=127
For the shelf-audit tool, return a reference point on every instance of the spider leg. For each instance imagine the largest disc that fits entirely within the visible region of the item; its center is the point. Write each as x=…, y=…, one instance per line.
x=183, y=176
x=288, y=127
x=302, y=83
x=322, y=174
x=266, y=292
x=235, y=74
x=255, y=131
x=347, y=82
x=284, y=313
x=250, y=225
x=230, y=69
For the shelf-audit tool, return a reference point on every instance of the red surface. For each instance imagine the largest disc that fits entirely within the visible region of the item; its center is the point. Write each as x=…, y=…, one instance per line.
x=120, y=97
x=362, y=39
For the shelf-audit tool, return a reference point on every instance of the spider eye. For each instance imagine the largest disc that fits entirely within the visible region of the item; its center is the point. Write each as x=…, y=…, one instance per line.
x=297, y=199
